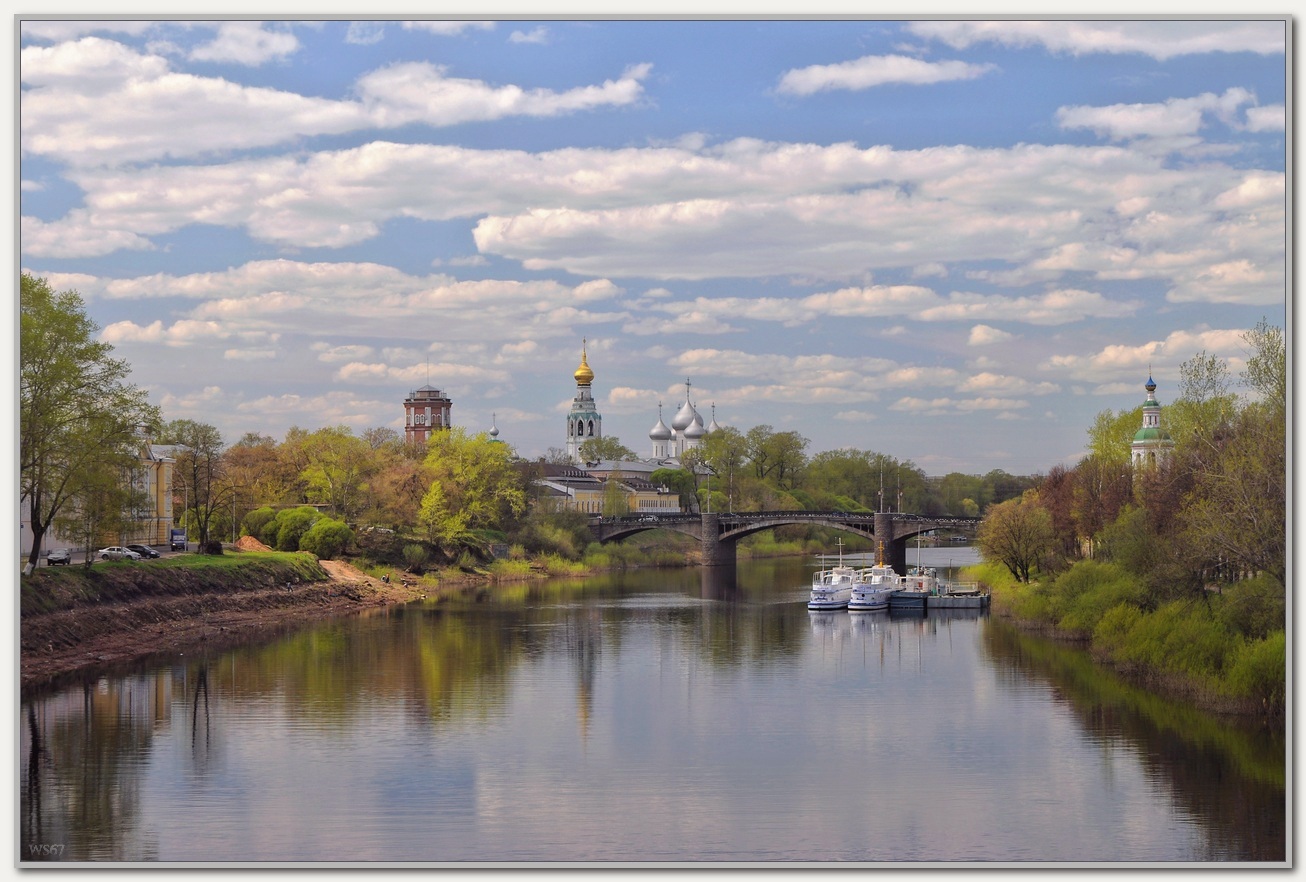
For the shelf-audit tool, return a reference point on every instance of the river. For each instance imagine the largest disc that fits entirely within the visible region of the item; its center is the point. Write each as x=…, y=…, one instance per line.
x=650, y=716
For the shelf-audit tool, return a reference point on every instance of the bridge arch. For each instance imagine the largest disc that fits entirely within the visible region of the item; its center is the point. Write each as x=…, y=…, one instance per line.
x=719, y=533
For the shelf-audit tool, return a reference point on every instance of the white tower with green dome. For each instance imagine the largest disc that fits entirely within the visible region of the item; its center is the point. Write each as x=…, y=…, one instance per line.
x=1152, y=444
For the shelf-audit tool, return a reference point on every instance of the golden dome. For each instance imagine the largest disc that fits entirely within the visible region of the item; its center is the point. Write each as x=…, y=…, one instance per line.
x=584, y=376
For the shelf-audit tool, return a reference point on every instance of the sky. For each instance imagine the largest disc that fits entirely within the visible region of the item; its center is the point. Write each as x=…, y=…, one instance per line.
x=954, y=242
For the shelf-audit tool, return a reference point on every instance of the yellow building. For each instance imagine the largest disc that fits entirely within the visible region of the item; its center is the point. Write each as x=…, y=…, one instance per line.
x=151, y=504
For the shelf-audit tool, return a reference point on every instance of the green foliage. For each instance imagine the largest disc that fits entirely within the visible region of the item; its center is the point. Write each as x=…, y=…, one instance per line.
x=474, y=487
x=285, y=530
x=606, y=448
x=1256, y=670
x=1080, y=597
x=63, y=442
x=326, y=538
x=1018, y=533
x=1254, y=607
x=563, y=532
x=416, y=556
x=255, y=521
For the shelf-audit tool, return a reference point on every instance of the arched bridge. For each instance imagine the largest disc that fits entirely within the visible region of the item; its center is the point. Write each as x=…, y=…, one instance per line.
x=719, y=532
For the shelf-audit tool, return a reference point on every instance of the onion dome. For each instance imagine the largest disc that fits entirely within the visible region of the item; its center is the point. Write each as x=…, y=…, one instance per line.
x=712, y=426
x=695, y=429
x=494, y=427
x=684, y=416
x=660, y=432
x=584, y=375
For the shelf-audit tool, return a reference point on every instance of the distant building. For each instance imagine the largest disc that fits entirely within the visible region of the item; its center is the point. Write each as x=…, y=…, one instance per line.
x=573, y=488
x=149, y=518
x=1152, y=444
x=426, y=411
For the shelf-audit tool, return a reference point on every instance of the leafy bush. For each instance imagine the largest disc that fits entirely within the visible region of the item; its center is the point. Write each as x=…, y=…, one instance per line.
x=1254, y=608
x=416, y=556
x=213, y=546
x=283, y=531
x=256, y=520
x=1082, y=595
x=1258, y=670
x=326, y=538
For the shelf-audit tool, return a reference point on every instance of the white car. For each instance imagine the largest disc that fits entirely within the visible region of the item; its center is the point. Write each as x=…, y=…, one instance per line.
x=117, y=552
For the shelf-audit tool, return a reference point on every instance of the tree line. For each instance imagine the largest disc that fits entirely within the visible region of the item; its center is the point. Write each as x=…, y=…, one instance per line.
x=82, y=426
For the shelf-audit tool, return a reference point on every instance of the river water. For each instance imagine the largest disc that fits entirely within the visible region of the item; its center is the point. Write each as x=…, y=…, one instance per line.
x=652, y=716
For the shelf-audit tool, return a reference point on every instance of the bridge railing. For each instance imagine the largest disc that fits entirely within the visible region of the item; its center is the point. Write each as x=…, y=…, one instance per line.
x=754, y=517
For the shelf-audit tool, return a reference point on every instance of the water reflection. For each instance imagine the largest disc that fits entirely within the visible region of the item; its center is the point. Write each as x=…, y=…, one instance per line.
x=1190, y=756
x=674, y=713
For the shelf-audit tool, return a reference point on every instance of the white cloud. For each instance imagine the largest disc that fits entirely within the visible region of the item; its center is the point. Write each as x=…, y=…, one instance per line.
x=1273, y=118
x=538, y=35
x=1170, y=119
x=365, y=33
x=247, y=42
x=421, y=92
x=1124, y=362
x=876, y=70
x=983, y=335
x=96, y=101
x=1159, y=39
x=448, y=28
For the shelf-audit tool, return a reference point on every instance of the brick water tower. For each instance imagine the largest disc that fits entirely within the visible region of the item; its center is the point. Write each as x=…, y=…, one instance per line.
x=425, y=411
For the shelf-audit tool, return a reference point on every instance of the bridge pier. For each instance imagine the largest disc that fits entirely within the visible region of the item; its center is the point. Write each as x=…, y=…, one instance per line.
x=895, y=549
x=715, y=552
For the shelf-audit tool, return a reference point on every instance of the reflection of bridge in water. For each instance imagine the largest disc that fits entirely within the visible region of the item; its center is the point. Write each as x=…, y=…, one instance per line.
x=718, y=533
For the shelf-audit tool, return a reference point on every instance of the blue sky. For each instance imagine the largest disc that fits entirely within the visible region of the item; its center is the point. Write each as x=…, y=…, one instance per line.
x=953, y=242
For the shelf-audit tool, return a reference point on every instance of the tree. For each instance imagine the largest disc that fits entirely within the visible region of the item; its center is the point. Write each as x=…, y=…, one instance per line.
x=326, y=538
x=337, y=465
x=607, y=448
x=199, y=472
x=474, y=487
x=679, y=480
x=78, y=416
x=725, y=451
x=616, y=501
x=1018, y=533
x=95, y=507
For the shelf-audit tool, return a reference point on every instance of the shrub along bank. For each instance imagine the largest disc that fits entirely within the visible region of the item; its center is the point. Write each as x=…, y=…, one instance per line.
x=1222, y=650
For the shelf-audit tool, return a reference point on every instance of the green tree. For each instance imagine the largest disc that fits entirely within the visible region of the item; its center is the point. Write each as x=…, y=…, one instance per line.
x=678, y=480
x=474, y=486
x=616, y=501
x=326, y=538
x=95, y=508
x=337, y=465
x=200, y=471
x=1017, y=533
x=606, y=448
x=725, y=451
x=77, y=414
x=289, y=526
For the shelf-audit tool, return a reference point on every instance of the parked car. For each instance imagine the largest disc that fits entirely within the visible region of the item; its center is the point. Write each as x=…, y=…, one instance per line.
x=56, y=557
x=144, y=550
x=117, y=552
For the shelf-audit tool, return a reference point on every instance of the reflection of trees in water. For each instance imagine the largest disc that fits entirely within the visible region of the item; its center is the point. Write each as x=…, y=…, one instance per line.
x=1230, y=779
x=85, y=750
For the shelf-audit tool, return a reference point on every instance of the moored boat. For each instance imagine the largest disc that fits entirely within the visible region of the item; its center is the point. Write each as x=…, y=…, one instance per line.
x=959, y=595
x=876, y=585
x=833, y=588
x=914, y=589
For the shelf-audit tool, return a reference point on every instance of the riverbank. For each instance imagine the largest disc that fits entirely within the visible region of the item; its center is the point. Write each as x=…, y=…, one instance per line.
x=1221, y=652
x=76, y=620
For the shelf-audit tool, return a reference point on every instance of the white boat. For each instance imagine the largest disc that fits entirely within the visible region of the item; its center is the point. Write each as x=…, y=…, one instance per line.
x=833, y=588
x=875, y=585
